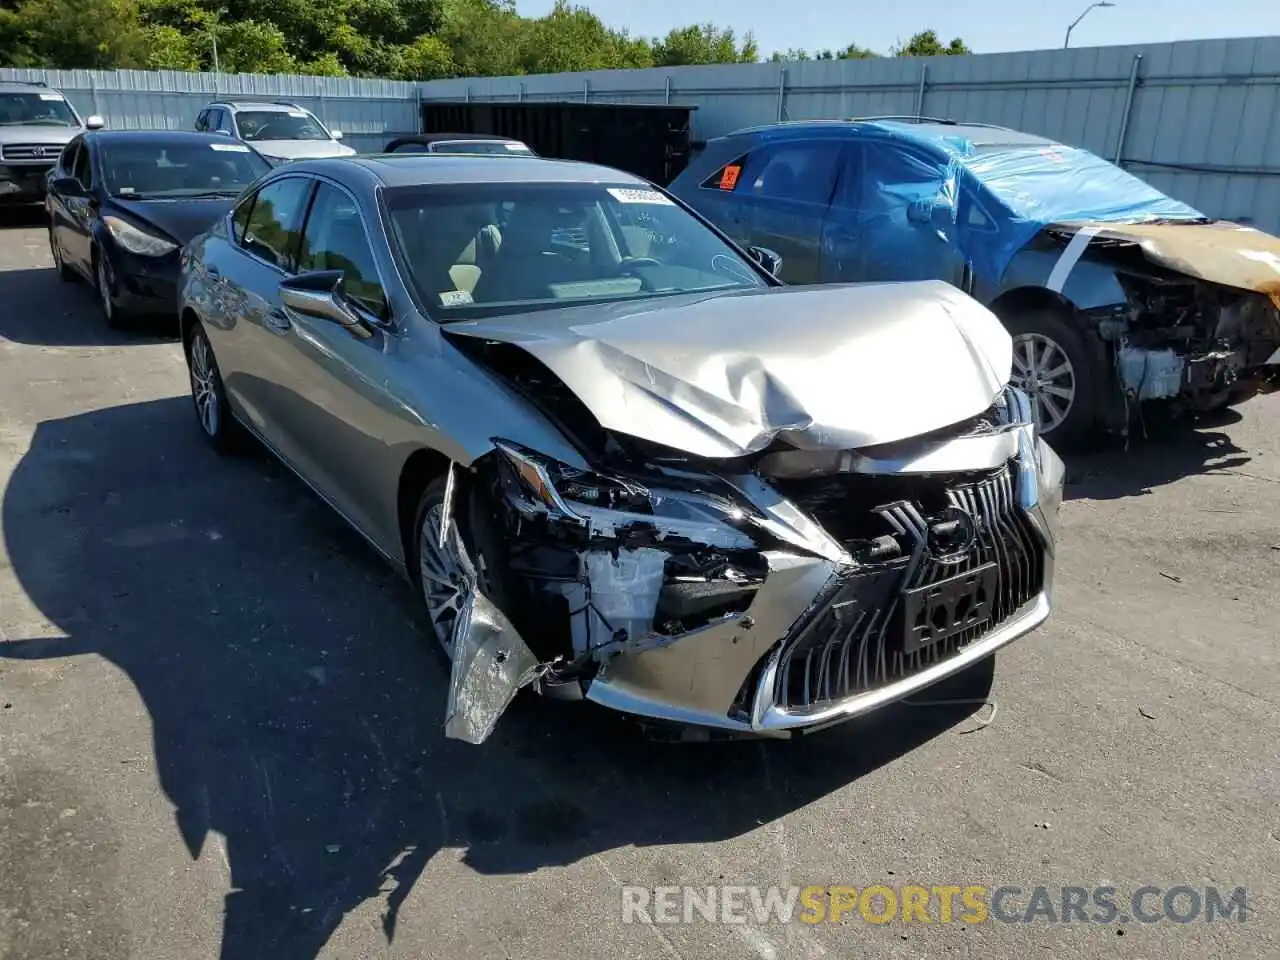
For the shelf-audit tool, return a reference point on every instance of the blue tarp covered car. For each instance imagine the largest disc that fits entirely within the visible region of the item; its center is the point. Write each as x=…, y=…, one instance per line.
x=1114, y=292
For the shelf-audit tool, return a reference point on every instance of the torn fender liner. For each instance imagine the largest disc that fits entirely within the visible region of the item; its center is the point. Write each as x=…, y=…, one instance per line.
x=490, y=664
x=836, y=366
x=1219, y=252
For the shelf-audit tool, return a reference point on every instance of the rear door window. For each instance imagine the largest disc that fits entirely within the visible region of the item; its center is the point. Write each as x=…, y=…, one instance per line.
x=803, y=172
x=274, y=223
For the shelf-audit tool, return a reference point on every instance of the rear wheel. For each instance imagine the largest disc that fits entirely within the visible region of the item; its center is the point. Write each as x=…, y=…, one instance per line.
x=209, y=395
x=1054, y=367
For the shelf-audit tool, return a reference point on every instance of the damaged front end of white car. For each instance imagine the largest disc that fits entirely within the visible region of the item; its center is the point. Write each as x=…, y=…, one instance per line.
x=799, y=505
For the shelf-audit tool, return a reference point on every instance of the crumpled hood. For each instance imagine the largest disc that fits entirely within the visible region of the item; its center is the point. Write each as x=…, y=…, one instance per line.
x=181, y=219
x=301, y=149
x=1219, y=252
x=832, y=366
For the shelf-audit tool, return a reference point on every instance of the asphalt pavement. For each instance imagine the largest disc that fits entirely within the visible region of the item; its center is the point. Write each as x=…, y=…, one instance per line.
x=220, y=725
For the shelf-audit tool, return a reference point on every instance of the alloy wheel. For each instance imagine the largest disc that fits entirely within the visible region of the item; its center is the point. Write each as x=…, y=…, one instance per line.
x=447, y=576
x=206, y=389
x=1042, y=370
x=104, y=291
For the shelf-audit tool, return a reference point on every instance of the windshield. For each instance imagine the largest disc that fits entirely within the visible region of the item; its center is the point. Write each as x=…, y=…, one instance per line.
x=1051, y=183
x=501, y=248
x=279, y=125
x=144, y=171
x=479, y=146
x=39, y=109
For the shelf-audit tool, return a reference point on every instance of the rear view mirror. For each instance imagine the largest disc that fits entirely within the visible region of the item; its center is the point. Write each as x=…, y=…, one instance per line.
x=94, y=122
x=769, y=259
x=320, y=295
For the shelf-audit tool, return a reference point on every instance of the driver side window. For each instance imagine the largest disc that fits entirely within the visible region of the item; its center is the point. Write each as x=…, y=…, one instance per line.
x=83, y=169
x=335, y=239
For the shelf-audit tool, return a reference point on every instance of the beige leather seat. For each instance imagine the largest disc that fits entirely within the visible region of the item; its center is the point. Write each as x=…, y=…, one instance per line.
x=475, y=257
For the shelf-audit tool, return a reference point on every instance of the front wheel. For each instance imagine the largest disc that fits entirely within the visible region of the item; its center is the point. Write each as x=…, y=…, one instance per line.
x=1054, y=367
x=106, y=298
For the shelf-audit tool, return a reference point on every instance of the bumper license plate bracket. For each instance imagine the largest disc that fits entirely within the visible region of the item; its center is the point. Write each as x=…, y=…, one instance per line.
x=934, y=612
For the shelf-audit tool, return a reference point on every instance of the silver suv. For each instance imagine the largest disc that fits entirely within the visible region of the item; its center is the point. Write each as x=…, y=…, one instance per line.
x=36, y=123
x=278, y=129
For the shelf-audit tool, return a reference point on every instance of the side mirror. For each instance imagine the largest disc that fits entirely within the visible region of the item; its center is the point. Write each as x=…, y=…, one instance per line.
x=769, y=259
x=94, y=122
x=920, y=211
x=336, y=134
x=67, y=187
x=320, y=295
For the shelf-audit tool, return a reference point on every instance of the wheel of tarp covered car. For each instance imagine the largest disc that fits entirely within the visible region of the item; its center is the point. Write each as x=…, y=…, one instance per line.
x=1054, y=366
x=448, y=570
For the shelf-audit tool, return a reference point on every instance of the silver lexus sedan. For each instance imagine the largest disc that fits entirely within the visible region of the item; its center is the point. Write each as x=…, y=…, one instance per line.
x=617, y=459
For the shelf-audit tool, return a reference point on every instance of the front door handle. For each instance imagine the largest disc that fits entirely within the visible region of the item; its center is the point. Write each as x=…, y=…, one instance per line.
x=278, y=321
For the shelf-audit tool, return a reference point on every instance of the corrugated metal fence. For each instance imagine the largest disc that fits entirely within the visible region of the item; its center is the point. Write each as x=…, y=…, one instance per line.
x=1199, y=119
x=368, y=112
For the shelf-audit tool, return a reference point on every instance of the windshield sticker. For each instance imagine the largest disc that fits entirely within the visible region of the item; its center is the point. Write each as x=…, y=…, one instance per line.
x=729, y=178
x=56, y=97
x=638, y=196
x=301, y=114
x=455, y=298
x=229, y=147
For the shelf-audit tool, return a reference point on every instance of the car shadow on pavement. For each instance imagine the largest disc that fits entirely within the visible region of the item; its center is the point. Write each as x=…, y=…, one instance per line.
x=23, y=216
x=1168, y=449
x=297, y=711
x=38, y=308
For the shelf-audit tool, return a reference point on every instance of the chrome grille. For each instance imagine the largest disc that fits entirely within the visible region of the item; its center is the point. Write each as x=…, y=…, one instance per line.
x=31, y=151
x=850, y=641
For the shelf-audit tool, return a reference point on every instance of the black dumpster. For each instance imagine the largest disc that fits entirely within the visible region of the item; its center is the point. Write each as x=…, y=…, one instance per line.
x=649, y=140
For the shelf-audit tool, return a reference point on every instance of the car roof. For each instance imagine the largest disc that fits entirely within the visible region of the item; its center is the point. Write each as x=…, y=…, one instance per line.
x=158, y=137
x=269, y=106
x=453, y=137
x=417, y=169
x=25, y=86
x=934, y=133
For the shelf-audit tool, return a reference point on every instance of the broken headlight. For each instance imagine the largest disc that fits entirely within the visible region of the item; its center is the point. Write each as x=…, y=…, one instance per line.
x=608, y=502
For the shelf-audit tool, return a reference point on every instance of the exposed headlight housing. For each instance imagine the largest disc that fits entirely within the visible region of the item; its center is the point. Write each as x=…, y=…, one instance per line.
x=607, y=503
x=136, y=240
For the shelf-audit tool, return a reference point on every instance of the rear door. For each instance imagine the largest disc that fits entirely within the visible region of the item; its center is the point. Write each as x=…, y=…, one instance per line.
x=60, y=213
x=81, y=211
x=784, y=190
x=263, y=251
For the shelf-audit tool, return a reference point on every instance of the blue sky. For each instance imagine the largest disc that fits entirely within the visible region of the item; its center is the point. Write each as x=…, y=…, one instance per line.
x=988, y=26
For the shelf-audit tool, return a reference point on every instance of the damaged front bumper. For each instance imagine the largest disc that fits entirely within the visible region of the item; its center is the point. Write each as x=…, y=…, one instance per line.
x=821, y=628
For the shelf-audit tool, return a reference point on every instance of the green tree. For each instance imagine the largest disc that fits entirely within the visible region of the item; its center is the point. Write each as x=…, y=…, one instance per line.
x=484, y=36
x=926, y=44
x=250, y=46
x=704, y=43
x=75, y=34
x=427, y=58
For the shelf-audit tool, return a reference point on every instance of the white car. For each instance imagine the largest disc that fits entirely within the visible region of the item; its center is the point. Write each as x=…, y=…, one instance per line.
x=278, y=129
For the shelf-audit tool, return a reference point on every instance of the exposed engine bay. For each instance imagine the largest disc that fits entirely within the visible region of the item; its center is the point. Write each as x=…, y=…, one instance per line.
x=759, y=593
x=1200, y=317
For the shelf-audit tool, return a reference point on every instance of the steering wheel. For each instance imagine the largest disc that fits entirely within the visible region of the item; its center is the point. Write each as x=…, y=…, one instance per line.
x=625, y=267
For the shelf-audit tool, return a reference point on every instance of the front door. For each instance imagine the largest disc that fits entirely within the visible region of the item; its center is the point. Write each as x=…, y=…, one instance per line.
x=334, y=410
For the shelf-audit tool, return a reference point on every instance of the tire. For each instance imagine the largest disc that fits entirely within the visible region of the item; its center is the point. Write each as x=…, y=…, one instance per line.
x=1043, y=340
x=468, y=556
x=208, y=395
x=102, y=284
x=65, y=273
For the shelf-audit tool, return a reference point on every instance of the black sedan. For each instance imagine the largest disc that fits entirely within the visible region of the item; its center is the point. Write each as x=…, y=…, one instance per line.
x=122, y=203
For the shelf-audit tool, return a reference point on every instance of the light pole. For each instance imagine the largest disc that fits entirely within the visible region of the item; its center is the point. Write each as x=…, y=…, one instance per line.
x=1101, y=3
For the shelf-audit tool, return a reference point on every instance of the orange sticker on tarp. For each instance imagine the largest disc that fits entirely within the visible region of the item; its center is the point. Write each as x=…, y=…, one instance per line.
x=729, y=178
